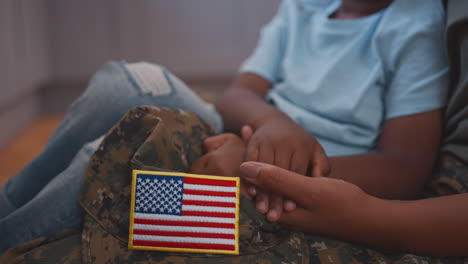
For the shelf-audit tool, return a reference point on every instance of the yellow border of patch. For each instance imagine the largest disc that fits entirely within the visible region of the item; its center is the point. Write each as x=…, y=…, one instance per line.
x=165, y=173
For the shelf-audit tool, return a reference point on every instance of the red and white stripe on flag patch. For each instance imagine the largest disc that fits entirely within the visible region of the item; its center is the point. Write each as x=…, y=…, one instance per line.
x=184, y=212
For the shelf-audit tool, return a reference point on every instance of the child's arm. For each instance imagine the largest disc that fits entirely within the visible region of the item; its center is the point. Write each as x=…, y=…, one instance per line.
x=405, y=154
x=339, y=209
x=244, y=103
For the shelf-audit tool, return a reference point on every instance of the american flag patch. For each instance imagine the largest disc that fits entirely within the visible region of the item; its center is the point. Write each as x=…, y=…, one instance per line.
x=184, y=212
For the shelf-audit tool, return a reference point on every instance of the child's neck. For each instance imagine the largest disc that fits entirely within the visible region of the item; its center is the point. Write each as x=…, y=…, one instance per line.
x=360, y=8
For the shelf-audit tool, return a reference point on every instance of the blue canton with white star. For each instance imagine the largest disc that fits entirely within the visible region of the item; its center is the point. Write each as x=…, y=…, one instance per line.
x=158, y=194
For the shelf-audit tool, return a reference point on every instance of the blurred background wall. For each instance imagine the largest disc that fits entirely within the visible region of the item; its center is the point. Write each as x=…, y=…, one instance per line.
x=50, y=48
x=25, y=62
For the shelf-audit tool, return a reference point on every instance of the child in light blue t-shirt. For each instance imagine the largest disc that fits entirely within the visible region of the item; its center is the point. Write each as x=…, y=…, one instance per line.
x=364, y=80
x=340, y=79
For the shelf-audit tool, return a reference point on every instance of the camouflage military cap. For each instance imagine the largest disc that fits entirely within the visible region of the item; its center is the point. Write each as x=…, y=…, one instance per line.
x=153, y=138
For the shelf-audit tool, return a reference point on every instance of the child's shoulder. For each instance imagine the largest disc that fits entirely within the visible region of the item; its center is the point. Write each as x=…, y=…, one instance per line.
x=309, y=5
x=416, y=13
x=406, y=19
x=315, y=4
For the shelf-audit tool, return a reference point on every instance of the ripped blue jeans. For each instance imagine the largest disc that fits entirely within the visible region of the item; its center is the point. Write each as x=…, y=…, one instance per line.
x=42, y=198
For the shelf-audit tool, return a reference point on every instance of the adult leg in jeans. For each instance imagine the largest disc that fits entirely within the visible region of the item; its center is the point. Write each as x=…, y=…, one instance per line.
x=114, y=89
x=54, y=208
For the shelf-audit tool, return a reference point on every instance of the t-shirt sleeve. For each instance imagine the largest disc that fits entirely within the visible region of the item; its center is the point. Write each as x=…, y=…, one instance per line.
x=267, y=56
x=419, y=69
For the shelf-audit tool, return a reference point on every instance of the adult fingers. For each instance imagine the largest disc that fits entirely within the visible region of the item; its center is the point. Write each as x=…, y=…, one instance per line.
x=303, y=190
x=295, y=221
x=248, y=189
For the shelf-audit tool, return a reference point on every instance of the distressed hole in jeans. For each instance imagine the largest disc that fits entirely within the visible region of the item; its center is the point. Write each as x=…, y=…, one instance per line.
x=150, y=78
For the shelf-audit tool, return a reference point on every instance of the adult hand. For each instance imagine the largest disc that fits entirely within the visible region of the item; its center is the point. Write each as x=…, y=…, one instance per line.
x=281, y=142
x=326, y=203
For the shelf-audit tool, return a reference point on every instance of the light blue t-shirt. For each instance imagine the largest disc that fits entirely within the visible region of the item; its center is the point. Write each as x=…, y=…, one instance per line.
x=341, y=79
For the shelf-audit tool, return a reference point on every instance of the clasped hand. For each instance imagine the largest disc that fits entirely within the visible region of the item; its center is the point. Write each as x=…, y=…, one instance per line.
x=281, y=142
x=277, y=141
x=324, y=203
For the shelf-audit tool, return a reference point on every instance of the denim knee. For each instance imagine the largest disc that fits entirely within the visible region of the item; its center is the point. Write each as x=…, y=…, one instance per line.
x=109, y=83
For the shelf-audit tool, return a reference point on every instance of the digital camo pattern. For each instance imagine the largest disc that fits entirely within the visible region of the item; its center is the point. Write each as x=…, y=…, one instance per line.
x=63, y=247
x=150, y=138
x=329, y=251
x=450, y=177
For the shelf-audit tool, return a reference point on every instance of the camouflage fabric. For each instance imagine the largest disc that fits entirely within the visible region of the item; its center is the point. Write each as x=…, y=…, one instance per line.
x=324, y=250
x=162, y=139
x=450, y=177
x=63, y=247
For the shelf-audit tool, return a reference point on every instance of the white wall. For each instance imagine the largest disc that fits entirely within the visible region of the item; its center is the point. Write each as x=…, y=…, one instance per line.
x=25, y=64
x=24, y=47
x=65, y=41
x=191, y=37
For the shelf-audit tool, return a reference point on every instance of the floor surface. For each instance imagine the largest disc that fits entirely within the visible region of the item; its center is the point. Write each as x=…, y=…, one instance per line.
x=26, y=145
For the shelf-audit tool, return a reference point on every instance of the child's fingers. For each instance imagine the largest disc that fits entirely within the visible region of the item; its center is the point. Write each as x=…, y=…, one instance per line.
x=289, y=205
x=320, y=164
x=276, y=208
x=303, y=190
x=246, y=132
x=299, y=162
x=266, y=154
x=252, y=190
x=252, y=152
x=262, y=201
x=282, y=157
x=199, y=166
x=213, y=143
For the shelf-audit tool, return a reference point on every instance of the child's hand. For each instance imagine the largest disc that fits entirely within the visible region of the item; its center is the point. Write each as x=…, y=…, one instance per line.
x=224, y=154
x=281, y=142
x=288, y=205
